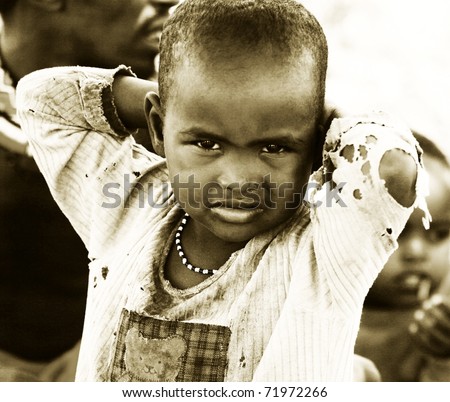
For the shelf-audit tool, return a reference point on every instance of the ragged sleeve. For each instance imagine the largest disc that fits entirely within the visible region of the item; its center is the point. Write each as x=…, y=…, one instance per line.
x=80, y=145
x=356, y=221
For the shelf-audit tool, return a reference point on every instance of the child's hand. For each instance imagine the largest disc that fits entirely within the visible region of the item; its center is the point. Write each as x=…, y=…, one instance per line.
x=330, y=112
x=364, y=370
x=430, y=328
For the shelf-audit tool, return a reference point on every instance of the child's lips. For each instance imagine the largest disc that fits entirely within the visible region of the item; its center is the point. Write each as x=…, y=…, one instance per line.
x=246, y=204
x=415, y=283
x=236, y=212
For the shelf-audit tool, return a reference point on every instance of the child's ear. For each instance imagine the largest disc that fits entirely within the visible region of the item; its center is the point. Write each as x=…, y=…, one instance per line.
x=318, y=148
x=328, y=114
x=154, y=116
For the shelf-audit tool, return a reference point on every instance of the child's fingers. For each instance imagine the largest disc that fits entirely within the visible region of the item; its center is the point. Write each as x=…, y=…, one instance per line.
x=434, y=323
x=427, y=342
x=438, y=309
x=431, y=331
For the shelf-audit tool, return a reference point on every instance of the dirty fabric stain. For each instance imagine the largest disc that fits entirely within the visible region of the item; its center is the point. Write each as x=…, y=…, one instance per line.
x=105, y=271
x=151, y=349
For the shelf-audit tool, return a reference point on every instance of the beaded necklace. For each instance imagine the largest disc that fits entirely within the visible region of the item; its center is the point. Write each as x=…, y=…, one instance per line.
x=183, y=257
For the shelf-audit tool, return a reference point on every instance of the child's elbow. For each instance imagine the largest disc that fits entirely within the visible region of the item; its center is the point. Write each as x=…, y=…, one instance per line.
x=399, y=171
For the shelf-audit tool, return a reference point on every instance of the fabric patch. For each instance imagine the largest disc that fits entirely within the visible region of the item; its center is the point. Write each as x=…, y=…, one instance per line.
x=149, y=349
x=152, y=359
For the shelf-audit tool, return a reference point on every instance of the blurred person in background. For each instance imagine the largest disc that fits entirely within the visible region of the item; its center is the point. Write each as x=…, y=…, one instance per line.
x=43, y=263
x=405, y=328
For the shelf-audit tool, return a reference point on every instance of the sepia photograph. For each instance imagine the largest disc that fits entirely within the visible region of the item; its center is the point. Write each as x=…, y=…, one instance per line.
x=253, y=194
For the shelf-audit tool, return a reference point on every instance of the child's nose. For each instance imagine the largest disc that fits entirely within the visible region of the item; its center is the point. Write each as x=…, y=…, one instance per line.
x=414, y=249
x=235, y=173
x=232, y=179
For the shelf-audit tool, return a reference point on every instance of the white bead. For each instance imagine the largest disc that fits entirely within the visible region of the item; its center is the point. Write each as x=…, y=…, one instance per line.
x=182, y=255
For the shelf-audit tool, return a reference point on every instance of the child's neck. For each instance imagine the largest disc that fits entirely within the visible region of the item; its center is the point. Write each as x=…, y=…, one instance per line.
x=203, y=249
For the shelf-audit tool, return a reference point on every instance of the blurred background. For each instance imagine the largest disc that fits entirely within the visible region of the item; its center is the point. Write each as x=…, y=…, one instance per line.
x=391, y=55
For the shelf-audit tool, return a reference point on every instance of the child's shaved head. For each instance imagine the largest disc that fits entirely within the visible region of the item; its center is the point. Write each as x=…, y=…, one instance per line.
x=431, y=150
x=227, y=29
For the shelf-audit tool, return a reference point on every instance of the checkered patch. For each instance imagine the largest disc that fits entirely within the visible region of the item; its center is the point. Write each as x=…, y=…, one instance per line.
x=149, y=349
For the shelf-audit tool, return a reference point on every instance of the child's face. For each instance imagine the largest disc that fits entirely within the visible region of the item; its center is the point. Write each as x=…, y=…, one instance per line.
x=423, y=255
x=243, y=136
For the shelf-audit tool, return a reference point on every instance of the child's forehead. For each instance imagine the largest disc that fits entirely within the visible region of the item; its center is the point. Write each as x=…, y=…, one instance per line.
x=438, y=199
x=277, y=89
x=246, y=68
x=436, y=166
x=439, y=174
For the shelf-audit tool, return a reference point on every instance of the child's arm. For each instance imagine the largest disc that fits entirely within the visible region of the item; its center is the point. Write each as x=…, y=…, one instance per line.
x=372, y=177
x=430, y=330
x=83, y=148
x=397, y=168
x=399, y=171
x=431, y=333
x=364, y=370
x=129, y=94
x=362, y=196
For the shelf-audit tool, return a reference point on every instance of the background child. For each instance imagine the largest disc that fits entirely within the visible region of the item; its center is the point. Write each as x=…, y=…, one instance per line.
x=412, y=274
x=252, y=284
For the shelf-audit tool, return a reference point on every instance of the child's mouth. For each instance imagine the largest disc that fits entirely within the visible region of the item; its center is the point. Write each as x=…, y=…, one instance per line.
x=416, y=284
x=236, y=212
x=236, y=203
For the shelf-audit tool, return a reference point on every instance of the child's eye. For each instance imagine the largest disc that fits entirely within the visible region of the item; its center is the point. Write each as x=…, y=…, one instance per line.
x=274, y=149
x=439, y=234
x=207, y=145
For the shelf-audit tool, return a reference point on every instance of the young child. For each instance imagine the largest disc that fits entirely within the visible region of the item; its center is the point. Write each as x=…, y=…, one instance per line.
x=399, y=303
x=206, y=265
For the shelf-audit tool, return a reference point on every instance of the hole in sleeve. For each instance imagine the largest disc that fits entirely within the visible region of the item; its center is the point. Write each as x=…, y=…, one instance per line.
x=357, y=194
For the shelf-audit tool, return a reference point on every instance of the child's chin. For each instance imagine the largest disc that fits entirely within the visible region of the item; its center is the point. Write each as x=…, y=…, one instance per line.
x=407, y=301
x=400, y=302
x=236, y=236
